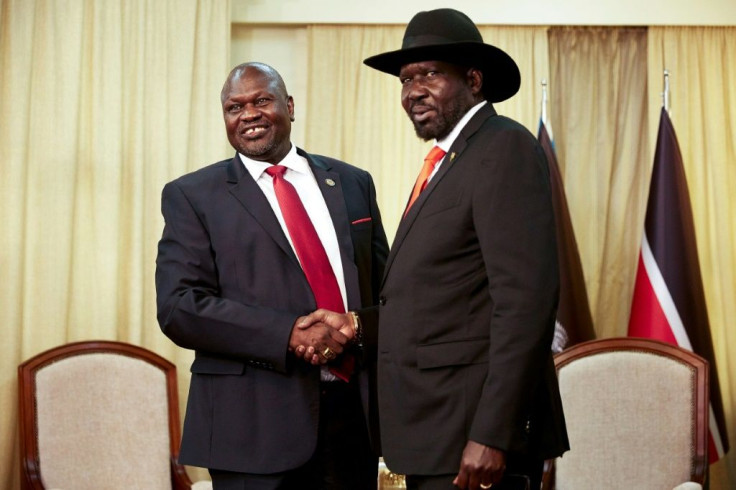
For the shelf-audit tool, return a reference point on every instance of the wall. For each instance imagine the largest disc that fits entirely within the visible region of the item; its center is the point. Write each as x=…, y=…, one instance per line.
x=511, y=12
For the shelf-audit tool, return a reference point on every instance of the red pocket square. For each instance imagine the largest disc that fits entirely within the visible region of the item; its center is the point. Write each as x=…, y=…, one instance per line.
x=362, y=220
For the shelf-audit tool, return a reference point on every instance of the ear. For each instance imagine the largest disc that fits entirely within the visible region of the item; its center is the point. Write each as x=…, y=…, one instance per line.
x=475, y=80
x=290, y=107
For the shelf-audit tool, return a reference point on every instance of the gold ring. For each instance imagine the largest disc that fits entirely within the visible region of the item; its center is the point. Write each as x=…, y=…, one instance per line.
x=328, y=354
x=486, y=487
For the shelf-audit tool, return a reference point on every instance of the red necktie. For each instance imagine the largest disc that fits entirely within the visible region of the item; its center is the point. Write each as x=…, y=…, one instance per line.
x=434, y=156
x=312, y=256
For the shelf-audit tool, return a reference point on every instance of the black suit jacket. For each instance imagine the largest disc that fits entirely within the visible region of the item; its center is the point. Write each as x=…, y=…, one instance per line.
x=468, y=308
x=230, y=287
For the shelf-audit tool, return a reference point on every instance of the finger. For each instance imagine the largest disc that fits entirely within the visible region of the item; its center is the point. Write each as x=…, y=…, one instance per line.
x=307, y=321
x=339, y=337
x=474, y=480
x=461, y=480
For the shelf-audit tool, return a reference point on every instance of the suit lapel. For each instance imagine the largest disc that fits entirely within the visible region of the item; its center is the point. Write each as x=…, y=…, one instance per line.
x=247, y=192
x=332, y=190
x=452, y=159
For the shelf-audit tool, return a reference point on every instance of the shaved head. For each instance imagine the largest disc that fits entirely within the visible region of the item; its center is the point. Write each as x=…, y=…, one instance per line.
x=267, y=71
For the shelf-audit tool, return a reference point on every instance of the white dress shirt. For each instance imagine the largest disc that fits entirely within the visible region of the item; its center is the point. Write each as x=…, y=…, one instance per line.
x=301, y=177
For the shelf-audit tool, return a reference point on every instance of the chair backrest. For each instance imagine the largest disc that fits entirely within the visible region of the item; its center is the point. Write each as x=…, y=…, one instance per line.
x=99, y=414
x=637, y=413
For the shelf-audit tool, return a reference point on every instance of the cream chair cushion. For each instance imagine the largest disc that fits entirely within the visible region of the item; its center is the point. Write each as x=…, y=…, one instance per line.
x=95, y=432
x=629, y=418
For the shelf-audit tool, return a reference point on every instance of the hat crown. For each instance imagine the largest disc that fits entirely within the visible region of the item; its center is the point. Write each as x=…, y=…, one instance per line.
x=450, y=36
x=441, y=26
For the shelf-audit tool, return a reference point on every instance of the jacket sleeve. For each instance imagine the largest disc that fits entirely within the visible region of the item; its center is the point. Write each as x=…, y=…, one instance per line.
x=514, y=222
x=192, y=312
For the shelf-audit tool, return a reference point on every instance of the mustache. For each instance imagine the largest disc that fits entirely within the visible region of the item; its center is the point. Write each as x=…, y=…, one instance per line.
x=421, y=106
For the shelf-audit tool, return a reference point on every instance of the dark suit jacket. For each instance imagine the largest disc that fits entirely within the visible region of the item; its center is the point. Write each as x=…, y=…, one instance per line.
x=468, y=308
x=230, y=287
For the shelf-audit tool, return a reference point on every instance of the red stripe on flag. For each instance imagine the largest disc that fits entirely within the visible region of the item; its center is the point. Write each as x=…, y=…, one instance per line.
x=647, y=317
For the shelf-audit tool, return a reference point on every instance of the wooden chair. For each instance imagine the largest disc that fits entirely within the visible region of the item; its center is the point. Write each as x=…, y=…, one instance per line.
x=637, y=416
x=100, y=414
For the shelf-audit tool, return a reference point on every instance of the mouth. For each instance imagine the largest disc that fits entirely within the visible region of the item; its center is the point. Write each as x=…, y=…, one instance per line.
x=253, y=132
x=420, y=113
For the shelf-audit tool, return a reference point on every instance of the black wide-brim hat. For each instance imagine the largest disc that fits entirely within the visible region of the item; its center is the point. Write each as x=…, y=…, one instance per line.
x=450, y=36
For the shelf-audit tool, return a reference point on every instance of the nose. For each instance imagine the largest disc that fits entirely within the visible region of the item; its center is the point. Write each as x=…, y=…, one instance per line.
x=250, y=113
x=414, y=89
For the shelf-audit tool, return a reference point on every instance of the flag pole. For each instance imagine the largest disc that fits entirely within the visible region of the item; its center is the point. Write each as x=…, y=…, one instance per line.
x=545, y=119
x=544, y=101
x=666, y=93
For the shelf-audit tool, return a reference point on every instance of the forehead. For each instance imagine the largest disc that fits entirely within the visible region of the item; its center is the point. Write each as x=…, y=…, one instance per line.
x=252, y=81
x=431, y=65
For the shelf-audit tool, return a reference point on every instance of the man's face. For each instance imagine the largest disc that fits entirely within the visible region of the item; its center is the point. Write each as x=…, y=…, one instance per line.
x=435, y=95
x=258, y=115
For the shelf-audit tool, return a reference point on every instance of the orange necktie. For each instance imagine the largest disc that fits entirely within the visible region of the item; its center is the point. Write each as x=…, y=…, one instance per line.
x=434, y=156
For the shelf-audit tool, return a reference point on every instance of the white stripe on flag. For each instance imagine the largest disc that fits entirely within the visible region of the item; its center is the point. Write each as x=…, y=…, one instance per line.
x=663, y=295
x=678, y=328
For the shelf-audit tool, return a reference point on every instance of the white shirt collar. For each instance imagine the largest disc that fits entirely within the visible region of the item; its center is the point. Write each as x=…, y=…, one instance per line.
x=446, y=142
x=292, y=161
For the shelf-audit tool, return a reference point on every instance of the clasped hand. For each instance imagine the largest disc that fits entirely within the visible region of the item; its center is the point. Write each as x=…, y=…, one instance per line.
x=321, y=335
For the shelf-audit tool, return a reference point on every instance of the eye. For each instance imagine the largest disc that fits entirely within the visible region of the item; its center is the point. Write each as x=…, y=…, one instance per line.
x=262, y=101
x=432, y=74
x=233, y=108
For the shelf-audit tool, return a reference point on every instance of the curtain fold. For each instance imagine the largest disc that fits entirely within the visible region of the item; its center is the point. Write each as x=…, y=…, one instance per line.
x=599, y=109
x=102, y=102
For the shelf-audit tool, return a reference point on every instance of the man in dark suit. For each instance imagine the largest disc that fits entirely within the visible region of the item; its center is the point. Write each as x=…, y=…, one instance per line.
x=272, y=405
x=466, y=384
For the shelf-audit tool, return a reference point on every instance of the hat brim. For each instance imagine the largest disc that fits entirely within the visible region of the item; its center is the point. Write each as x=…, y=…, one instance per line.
x=501, y=77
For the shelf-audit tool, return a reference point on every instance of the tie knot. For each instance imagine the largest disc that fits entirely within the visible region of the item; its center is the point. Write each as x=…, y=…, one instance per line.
x=434, y=155
x=276, y=170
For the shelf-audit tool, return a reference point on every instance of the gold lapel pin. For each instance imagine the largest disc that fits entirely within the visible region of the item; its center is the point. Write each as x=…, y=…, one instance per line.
x=330, y=182
x=452, y=156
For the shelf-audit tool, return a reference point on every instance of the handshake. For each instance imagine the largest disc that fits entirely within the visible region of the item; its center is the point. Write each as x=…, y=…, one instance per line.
x=323, y=335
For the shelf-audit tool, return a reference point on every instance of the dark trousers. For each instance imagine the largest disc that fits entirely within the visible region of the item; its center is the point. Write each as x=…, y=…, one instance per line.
x=518, y=472
x=343, y=458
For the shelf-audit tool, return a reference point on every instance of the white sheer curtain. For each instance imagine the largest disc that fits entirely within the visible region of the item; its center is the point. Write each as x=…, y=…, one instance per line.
x=101, y=103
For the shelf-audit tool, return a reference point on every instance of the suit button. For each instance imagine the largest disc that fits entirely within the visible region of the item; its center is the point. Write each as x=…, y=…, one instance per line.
x=382, y=300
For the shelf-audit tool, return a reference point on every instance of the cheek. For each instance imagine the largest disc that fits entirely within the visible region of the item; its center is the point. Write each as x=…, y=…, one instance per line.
x=405, y=102
x=231, y=124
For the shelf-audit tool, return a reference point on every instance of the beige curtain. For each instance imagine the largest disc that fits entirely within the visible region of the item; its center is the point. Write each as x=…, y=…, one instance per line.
x=101, y=103
x=354, y=112
x=703, y=111
x=598, y=109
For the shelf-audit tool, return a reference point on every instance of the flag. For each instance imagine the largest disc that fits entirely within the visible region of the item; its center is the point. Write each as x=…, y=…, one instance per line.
x=669, y=301
x=574, y=321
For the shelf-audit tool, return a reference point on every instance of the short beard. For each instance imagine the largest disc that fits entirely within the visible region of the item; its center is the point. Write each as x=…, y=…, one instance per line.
x=443, y=124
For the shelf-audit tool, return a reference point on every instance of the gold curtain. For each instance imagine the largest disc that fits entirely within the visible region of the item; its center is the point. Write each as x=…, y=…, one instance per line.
x=101, y=102
x=355, y=112
x=703, y=111
x=598, y=108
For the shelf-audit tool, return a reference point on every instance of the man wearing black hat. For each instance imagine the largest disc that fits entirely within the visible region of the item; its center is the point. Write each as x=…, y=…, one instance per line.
x=466, y=382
